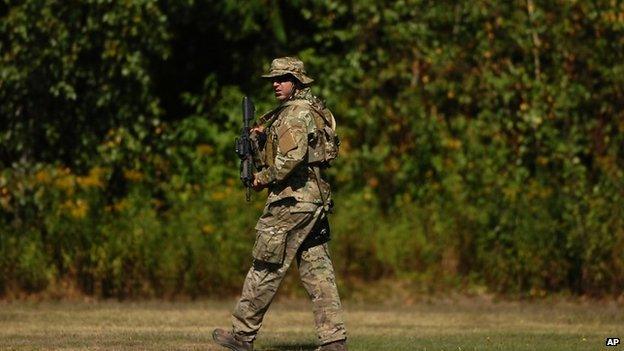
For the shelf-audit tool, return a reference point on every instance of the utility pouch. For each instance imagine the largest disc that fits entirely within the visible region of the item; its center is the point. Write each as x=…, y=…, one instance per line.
x=270, y=246
x=273, y=227
x=323, y=144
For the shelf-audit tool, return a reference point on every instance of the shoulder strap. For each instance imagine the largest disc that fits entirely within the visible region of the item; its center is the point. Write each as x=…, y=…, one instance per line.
x=268, y=118
x=320, y=122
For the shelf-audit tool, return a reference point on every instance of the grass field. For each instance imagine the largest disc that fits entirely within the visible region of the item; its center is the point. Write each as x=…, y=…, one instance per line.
x=458, y=324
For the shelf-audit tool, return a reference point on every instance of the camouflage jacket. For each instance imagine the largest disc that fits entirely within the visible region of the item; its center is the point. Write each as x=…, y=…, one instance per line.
x=285, y=168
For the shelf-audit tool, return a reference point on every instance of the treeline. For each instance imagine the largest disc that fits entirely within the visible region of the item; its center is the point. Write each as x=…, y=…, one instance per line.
x=482, y=141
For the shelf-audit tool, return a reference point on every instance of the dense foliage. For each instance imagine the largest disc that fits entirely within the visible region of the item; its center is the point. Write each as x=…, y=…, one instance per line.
x=483, y=142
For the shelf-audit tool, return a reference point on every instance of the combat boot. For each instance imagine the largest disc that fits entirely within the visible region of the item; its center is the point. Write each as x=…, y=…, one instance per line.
x=340, y=345
x=228, y=339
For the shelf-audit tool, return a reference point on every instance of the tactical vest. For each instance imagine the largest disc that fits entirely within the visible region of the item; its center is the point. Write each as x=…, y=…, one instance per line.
x=323, y=145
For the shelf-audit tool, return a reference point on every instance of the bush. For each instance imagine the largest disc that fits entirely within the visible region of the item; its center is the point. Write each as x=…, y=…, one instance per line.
x=481, y=142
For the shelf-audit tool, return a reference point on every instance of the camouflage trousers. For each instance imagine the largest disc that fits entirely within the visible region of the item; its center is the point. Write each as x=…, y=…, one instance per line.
x=281, y=230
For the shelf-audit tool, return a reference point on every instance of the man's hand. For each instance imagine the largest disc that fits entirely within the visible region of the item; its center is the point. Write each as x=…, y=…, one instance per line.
x=258, y=129
x=258, y=137
x=256, y=184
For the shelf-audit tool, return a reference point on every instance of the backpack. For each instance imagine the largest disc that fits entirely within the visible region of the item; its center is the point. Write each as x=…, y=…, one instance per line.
x=324, y=144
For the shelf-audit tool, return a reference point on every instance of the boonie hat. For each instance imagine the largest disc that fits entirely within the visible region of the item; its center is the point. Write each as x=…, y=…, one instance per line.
x=288, y=65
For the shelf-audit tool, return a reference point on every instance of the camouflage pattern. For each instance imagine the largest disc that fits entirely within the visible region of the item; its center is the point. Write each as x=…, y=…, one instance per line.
x=288, y=226
x=288, y=65
x=315, y=270
x=286, y=153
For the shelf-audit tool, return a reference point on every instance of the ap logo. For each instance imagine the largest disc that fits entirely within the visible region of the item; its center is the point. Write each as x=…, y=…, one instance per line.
x=612, y=341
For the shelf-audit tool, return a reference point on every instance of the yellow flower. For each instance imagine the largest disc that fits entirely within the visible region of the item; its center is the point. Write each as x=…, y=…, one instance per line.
x=204, y=149
x=43, y=177
x=94, y=179
x=66, y=182
x=133, y=175
x=120, y=205
x=77, y=209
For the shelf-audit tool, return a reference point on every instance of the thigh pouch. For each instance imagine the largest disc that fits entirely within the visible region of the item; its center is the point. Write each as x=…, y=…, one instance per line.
x=274, y=227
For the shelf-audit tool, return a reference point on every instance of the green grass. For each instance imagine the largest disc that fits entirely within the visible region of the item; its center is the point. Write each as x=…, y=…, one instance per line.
x=461, y=324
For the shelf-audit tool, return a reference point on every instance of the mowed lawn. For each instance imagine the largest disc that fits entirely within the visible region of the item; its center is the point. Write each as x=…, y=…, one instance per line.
x=454, y=324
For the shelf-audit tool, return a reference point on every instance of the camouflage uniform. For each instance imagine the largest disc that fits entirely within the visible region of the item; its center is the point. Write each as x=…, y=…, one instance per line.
x=294, y=209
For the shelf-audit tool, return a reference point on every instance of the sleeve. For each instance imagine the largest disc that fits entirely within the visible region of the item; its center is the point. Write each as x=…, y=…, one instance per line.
x=292, y=148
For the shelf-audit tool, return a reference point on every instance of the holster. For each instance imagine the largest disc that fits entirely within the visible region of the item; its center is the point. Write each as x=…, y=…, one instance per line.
x=319, y=235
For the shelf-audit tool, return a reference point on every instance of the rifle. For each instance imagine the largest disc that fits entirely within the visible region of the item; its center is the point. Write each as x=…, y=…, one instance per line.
x=243, y=147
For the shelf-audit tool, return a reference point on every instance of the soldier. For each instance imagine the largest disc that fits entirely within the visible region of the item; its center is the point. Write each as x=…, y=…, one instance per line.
x=293, y=143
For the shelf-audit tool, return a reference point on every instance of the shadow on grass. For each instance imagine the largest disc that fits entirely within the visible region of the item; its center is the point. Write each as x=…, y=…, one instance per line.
x=290, y=347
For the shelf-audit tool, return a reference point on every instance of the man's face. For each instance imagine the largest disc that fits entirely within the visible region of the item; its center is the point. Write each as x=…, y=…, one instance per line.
x=283, y=87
